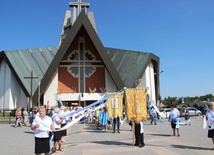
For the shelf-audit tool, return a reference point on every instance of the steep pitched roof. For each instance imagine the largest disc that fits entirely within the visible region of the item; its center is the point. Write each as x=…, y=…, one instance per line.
x=130, y=65
x=21, y=62
x=82, y=21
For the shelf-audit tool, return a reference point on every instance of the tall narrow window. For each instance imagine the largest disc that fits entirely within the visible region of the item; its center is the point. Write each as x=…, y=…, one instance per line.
x=81, y=69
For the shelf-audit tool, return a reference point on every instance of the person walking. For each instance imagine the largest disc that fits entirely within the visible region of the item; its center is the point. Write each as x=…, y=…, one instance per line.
x=174, y=119
x=57, y=134
x=96, y=119
x=18, y=115
x=153, y=116
x=42, y=125
x=62, y=114
x=103, y=118
x=210, y=122
x=187, y=117
x=31, y=116
x=26, y=117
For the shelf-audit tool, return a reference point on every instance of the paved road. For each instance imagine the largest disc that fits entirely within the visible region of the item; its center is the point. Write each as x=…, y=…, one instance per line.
x=83, y=140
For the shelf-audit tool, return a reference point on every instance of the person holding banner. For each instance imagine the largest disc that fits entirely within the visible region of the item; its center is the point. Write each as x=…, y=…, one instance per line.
x=139, y=135
x=42, y=126
x=174, y=119
x=116, y=121
x=115, y=110
x=210, y=122
x=136, y=110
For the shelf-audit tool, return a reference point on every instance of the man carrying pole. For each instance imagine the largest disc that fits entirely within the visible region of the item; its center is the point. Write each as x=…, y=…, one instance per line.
x=136, y=112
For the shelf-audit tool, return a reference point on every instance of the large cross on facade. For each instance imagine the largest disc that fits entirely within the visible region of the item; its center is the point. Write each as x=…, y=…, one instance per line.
x=31, y=87
x=79, y=5
x=81, y=64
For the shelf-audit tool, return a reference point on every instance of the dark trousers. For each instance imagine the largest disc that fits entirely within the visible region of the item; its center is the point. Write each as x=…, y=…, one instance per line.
x=116, y=121
x=139, y=137
x=153, y=118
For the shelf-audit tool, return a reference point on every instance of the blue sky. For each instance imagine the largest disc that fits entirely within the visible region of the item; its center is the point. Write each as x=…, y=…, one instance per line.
x=179, y=32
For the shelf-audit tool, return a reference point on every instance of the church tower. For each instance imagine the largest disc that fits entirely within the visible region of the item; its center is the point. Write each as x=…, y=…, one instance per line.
x=70, y=18
x=82, y=73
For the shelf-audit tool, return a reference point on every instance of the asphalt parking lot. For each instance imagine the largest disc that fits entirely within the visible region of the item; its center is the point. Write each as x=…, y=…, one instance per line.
x=83, y=140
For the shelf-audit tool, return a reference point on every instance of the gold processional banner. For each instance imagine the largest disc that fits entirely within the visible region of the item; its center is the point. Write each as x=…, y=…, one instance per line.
x=115, y=105
x=136, y=107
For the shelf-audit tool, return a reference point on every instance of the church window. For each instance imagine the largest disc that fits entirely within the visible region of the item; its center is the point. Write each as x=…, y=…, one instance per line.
x=81, y=64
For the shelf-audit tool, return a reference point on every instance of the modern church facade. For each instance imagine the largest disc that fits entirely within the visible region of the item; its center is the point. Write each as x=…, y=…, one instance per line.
x=77, y=72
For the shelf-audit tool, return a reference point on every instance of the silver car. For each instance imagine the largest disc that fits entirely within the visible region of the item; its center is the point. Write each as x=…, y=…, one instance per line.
x=164, y=113
x=192, y=112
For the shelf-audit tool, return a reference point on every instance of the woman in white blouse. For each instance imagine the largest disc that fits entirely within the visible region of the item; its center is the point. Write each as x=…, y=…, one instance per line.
x=174, y=119
x=41, y=126
x=57, y=134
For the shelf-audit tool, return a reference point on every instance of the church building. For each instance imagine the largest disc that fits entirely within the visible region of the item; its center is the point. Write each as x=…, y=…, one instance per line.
x=79, y=71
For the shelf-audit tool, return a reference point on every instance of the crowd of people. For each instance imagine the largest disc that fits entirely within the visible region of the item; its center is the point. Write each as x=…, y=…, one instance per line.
x=174, y=118
x=48, y=127
x=47, y=124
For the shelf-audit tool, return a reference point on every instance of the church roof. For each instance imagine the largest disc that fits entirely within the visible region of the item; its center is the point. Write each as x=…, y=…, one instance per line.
x=22, y=62
x=129, y=64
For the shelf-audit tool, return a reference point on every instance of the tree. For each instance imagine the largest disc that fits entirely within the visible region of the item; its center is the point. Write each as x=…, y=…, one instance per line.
x=188, y=100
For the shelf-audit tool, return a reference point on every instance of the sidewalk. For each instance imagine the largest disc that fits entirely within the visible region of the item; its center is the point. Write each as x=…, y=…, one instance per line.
x=83, y=140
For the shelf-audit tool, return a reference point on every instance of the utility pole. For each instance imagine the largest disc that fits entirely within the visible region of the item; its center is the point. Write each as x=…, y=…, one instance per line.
x=31, y=86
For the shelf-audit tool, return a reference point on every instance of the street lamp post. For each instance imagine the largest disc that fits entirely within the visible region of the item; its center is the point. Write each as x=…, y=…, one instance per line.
x=39, y=94
x=160, y=73
x=159, y=97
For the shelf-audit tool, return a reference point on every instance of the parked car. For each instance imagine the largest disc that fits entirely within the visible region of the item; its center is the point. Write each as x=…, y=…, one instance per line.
x=192, y=111
x=164, y=113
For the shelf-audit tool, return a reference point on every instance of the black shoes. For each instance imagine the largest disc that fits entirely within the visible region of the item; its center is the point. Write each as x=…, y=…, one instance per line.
x=140, y=145
x=117, y=131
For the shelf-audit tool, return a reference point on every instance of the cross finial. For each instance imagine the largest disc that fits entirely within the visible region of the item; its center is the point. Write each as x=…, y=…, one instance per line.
x=79, y=5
